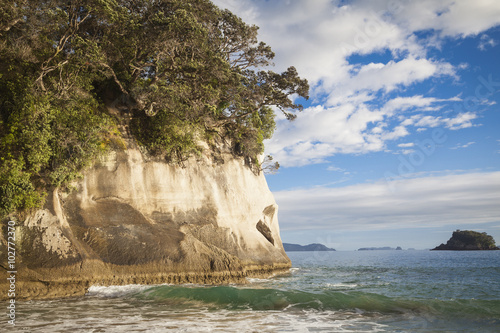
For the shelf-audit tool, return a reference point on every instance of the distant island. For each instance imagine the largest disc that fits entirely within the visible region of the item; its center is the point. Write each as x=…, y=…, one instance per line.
x=467, y=240
x=385, y=248
x=311, y=247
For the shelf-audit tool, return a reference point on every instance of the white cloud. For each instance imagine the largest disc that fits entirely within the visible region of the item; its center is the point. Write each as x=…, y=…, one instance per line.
x=417, y=102
x=388, y=77
x=407, y=151
x=420, y=202
x=318, y=37
x=244, y=9
x=406, y=145
x=334, y=168
x=460, y=121
x=486, y=42
x=463, y=120
x=320, y=132
x=398, y=132
x=429, y=121
x=460, y=146
x=452, y=18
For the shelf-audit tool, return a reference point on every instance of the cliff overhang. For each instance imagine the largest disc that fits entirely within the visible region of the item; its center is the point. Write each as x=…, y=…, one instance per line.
x=135, y=220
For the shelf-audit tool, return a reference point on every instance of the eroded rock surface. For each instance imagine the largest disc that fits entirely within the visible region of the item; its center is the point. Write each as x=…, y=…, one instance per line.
x=134, y=220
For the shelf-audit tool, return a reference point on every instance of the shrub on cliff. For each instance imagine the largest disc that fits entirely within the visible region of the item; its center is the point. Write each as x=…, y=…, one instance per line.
x=180, y=71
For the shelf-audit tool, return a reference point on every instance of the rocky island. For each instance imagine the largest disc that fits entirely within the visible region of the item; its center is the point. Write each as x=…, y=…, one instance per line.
x=384, y=248
x=467, y=240
x=131, y=141
x=300, y=248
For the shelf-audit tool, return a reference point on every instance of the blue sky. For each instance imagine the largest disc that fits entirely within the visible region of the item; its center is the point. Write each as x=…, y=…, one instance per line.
x=399, y=144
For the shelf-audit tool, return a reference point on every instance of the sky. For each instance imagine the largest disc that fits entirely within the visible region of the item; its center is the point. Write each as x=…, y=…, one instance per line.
x=399, y=142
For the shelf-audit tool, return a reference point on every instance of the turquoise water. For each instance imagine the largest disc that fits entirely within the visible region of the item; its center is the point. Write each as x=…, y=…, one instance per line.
x=366, y=291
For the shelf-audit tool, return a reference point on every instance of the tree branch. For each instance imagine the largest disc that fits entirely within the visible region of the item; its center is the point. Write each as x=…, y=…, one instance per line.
x=11, y=24
x=117, y=81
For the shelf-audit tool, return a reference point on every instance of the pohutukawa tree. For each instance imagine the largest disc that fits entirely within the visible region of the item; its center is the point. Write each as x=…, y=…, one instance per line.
x=182, y=70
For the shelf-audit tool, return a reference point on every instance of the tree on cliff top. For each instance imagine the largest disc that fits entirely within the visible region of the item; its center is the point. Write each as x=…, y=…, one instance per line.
x=183, y=70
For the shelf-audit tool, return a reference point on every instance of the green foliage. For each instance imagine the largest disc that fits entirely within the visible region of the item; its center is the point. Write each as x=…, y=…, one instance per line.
x=165, y=135
x=189, y=61
x=16, y=189
x=467, y=240
x=45, y=143
x=179, y=71
x=480, y=240
x=79, y=129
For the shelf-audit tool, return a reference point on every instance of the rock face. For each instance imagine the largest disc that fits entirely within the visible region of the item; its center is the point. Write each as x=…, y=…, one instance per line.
x=134, y=220
x=467, y=240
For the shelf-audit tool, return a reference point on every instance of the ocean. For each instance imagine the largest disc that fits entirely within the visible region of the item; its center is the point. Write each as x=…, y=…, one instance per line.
x=358, y=291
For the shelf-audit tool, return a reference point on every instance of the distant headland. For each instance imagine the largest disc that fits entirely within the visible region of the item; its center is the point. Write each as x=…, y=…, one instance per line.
x=385, y=248
x=467, y=240
x=311, y=247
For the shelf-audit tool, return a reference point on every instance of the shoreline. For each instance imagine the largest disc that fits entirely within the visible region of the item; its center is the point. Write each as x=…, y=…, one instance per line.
x=39, y=289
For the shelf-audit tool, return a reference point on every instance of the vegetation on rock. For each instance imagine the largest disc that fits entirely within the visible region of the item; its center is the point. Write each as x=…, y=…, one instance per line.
x=300, y=248
x=468, y=240
x=178, y=71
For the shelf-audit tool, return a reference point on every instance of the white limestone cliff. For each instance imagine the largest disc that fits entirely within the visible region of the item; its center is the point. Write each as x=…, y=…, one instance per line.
x=133, y=219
